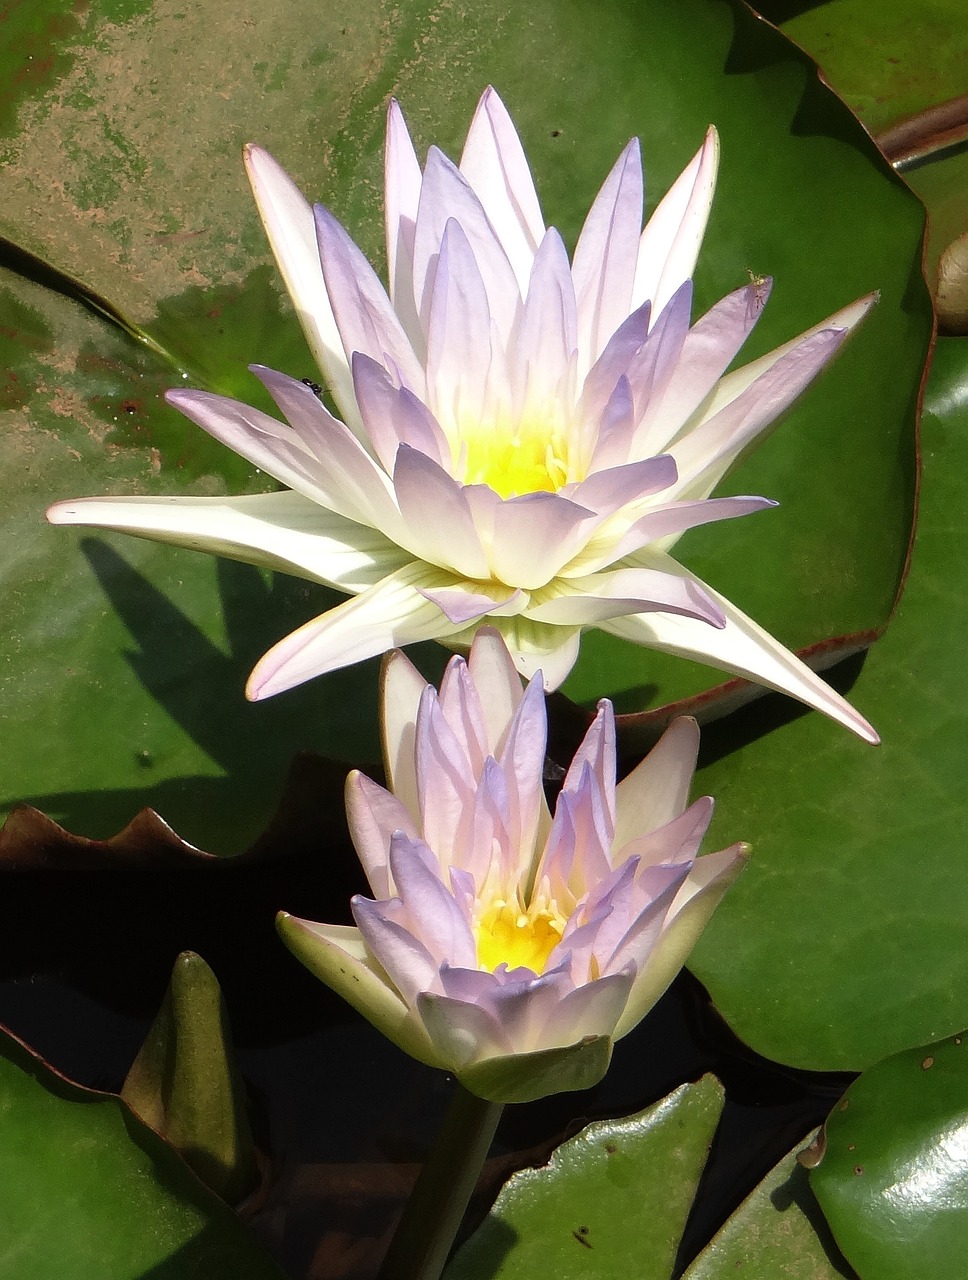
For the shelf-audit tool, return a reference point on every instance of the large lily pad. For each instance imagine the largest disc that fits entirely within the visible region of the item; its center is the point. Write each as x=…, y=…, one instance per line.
x=846, y=939
x=777, y=1233
x=893, y=1181
x=890, y=60
x=124, y=665
x=92, y=1193
x=612, y=1202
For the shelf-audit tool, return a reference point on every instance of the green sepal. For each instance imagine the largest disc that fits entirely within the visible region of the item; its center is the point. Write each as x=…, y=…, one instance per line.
x=525, y=1077
x=184, y=1082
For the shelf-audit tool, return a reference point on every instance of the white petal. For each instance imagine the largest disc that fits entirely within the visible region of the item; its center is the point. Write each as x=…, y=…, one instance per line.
x=706, y=451
x=401, y=688
x=275, y=530
x=446, y=194
x=365, y=319
x=497, y=681
x=534, y=647
x=458, y=327
x=438, y=517
x=672, y=237
x=735, y=383
x=605, y=255
x=336, y=954
x=528, y=538
x=393, y=416
x=583, y=601
x=402, y=195
x=710, y=346
x=341, y=474
x=387, y=615
x=494, y=163
x=547, y=334
x=741, y=647
x=679, y=936
x=373, y=815
x=288, y=220
x=657, y=789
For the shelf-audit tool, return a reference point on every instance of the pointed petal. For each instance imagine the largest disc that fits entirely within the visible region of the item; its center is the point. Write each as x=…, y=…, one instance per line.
x=705, y=453
x=592, y=1009
x=275, y=530
x=583, y=601
x=534, y=647
x=341, y=475
x=387, y=615
x=547, y=335
x=604, y=262
x=679, y=936
x=458, y=359
x=740, y=647
x=672, y=237
x=678, y=841
x=494, y=163
x=461, y=1033
x=373, y=815
x=612, y=365
x=288, y=220
x=407, y=962
x=393, y=415
x=401, y=688
x=672, y=520
x=530, y=537
x=707, y=352
x=605, y=492
x=522, y=760
x=365, y=319
x=402, y=182
x=337, y=956
x=654, y=365
x=432, y=912
x=270, y=445
x=736, y=382
x=495, y=677
x=657, y=789
x=446, y=194
x=438, y=518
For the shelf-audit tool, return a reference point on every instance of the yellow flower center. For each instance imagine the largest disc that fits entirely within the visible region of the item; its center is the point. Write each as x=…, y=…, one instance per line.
x=528, y=457
x=507, y=934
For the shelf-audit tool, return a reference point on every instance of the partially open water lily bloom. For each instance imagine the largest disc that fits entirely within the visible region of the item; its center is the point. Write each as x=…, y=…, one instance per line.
x=523, y=437
x=501, y=944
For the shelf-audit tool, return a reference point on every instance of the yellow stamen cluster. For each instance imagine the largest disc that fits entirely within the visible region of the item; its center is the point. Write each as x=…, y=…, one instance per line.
x=507, y=933
x=527, y=457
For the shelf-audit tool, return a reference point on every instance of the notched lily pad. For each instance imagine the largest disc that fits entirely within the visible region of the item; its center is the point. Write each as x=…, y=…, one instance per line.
x=110, y=916
x=92, y=1193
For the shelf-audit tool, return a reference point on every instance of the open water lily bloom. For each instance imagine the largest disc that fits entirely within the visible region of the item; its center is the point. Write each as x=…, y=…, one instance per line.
x=501, y=944
x=523, y=437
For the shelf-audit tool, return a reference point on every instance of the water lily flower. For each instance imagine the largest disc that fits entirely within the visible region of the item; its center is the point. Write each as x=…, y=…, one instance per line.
x=523, y=437
x=502, y=945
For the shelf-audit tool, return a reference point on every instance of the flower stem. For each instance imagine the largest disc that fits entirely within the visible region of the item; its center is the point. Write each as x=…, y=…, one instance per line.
x=435, y=1210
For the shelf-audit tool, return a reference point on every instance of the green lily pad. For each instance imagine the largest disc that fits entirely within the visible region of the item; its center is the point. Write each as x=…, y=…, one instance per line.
x=611, y=1202
x=895, y=60
x=890, y=60
x=893, y=1181
x=777, y=1233
x=846, y=941
x=91, y=1193
x=124, y=664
